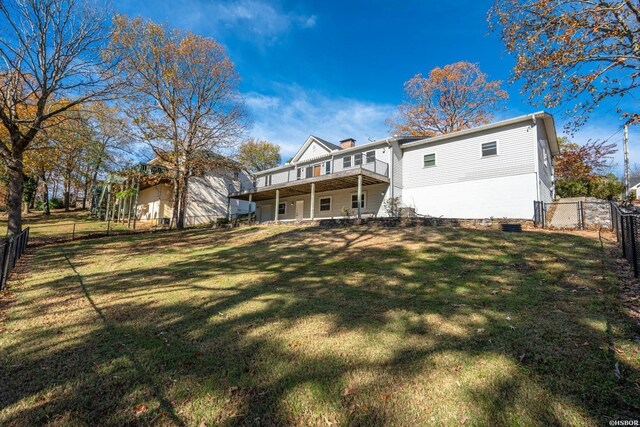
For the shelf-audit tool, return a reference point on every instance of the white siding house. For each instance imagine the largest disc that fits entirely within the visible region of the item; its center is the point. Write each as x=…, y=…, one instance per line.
x=207, y=198
x=496, y=170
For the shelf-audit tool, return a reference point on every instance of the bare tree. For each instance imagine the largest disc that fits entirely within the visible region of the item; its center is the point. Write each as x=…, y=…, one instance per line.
x=49, y=50
x=183, y=98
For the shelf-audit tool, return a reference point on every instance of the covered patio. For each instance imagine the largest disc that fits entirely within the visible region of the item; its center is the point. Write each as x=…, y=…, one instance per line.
x=351, y=178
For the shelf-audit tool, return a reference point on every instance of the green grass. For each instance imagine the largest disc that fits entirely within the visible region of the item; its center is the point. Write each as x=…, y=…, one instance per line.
x=287, y=326
x=62, y=225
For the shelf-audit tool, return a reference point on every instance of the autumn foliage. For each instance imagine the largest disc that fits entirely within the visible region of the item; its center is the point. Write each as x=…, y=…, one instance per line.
x=577, y=52
x=455, y=97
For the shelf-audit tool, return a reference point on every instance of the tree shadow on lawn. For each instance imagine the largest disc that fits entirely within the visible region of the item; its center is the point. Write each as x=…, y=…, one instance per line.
x=355, y=326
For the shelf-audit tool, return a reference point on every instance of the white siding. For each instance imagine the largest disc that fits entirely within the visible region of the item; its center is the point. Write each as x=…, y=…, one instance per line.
x=340, y=199
x=313, y=150
x=155, y=202
x=461, y=160
x=207, y=198
x=545, y=171
x=397, y=169
x=504, y=197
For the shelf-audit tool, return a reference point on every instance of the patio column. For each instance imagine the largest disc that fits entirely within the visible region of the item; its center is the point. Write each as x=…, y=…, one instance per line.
x=250, y=209
x=313, y=199
x=275, y=217
x=359, y=197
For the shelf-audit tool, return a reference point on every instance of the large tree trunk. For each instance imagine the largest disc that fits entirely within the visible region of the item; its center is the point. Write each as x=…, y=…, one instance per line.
x=182, y=208
x=176, y=198
x=15, y=189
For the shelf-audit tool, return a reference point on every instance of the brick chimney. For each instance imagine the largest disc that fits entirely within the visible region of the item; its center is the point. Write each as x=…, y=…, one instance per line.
x=347, y=143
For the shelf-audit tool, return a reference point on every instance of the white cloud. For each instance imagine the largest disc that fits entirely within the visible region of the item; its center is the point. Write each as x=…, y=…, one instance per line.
x=295, y=113
x=256, y=20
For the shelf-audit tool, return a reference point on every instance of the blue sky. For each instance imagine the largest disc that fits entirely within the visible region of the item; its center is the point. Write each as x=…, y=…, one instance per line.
x=335, y=69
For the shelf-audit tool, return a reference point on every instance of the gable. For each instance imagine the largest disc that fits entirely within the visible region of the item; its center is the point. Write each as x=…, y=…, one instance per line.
x=313, y=147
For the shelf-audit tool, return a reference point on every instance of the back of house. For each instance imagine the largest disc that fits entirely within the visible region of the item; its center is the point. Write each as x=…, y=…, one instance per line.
x=496, y=170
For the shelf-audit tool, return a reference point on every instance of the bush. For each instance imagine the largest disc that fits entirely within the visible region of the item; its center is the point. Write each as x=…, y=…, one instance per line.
x=54, y=203
x=600, y=188
x=571, y=188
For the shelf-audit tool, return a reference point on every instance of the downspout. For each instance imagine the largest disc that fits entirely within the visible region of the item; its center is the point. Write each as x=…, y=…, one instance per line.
x=390, y=166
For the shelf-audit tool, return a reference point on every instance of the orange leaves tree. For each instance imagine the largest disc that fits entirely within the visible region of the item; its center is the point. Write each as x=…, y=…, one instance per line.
x=573, y=52
x=455, y=97
x=183, y=98
x=582, y=170
x=49, y=49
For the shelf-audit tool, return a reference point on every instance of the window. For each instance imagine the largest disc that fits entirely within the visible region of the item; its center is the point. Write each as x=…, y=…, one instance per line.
x=346, y=162
x=267, y=180
x=371, y=156
x=309, y=173
x=489, y=149
x=236, y=174
x=325, y=204
x=429, y=160
x=327, y=168
x=282, y=208
x=354, y=201
x=299, y=173
x=357, y=159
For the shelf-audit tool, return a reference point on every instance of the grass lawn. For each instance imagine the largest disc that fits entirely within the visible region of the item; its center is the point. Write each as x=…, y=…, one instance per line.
x=60, y=224
x=304, y=326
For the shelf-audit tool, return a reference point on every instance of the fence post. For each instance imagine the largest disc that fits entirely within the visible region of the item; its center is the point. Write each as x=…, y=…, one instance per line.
x=632, y=227
x=73, y=232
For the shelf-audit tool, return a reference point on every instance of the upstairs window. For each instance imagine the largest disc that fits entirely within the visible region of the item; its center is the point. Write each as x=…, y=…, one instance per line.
x=371, y=156
x=327, y=168
x=429, y=160
x=490, y=149
x=346, y=162
x=299, y=173
x=357, y=159
x=267, y=180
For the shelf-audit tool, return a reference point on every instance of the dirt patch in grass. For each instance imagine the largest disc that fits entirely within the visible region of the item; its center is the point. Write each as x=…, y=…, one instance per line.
x=289, y=325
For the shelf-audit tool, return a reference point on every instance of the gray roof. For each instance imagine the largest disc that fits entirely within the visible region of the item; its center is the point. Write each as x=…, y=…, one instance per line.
x=634, y=180
x=327, y=143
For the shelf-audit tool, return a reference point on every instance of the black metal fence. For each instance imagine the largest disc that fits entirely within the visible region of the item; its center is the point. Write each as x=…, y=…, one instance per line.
x=10, y=252
x=627, y=228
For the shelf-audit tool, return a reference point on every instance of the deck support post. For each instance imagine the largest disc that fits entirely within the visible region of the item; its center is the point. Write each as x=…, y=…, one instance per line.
x=313, y=200
x=275, y=216
x=250, y=209
x=359, y=197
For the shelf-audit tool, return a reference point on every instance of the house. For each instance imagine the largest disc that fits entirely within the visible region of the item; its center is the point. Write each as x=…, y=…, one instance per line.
x=207, y=197
x=495, y=170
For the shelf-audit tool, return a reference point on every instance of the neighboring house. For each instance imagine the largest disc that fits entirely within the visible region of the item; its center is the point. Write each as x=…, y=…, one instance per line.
x=207, y=197
x=495, y=170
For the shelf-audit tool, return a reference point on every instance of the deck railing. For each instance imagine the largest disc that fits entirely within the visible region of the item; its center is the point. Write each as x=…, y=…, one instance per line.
x=299, y=174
